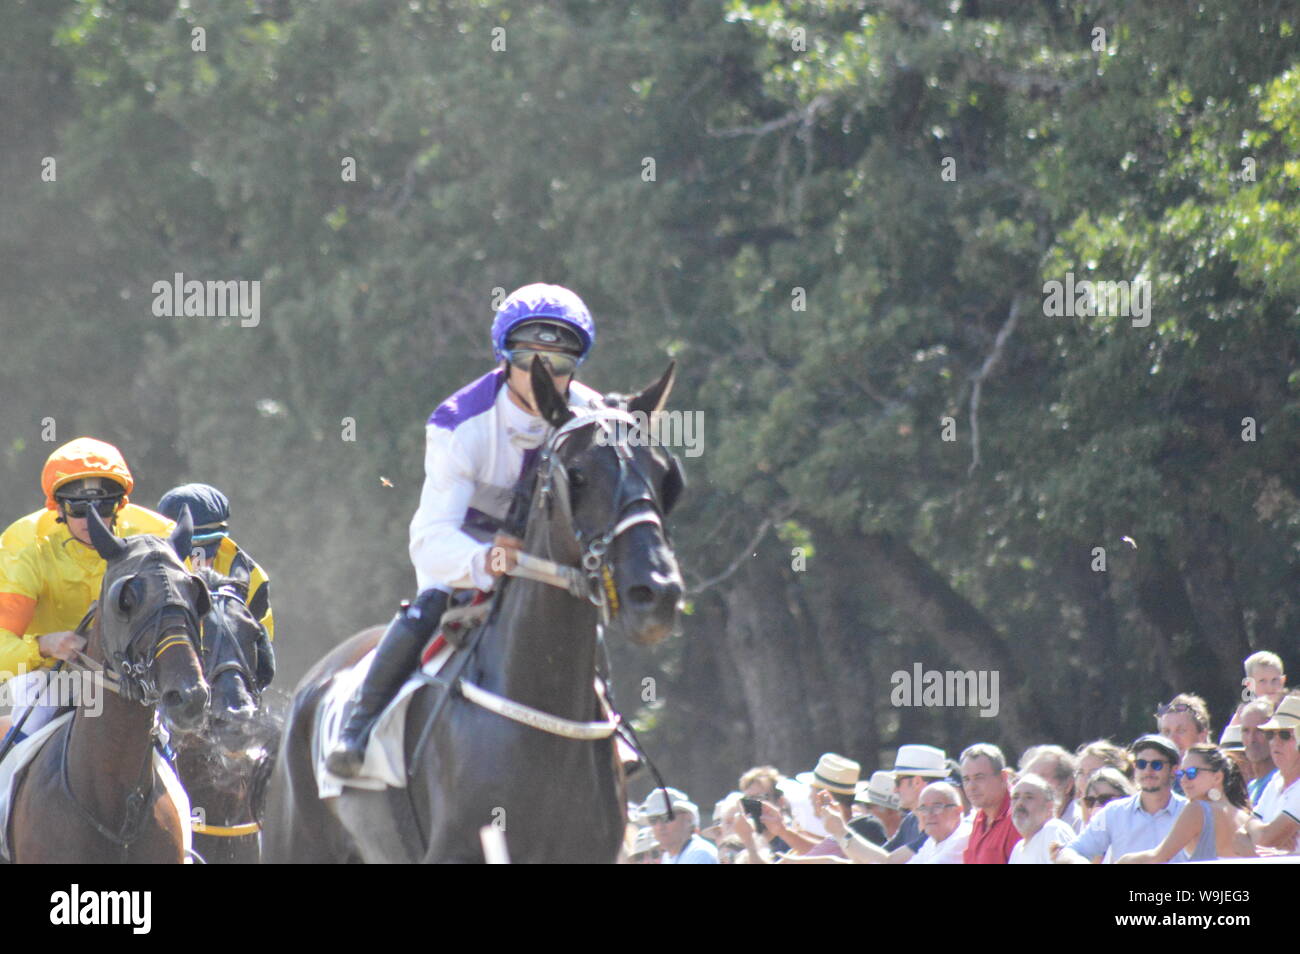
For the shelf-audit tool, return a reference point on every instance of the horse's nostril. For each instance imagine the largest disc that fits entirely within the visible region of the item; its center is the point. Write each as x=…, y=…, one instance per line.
x=185, y=705
x=640, y=595
x=645, y=597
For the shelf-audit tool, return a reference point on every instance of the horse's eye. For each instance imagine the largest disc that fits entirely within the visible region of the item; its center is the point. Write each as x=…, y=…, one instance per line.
x=128, y=596
x=576, y=482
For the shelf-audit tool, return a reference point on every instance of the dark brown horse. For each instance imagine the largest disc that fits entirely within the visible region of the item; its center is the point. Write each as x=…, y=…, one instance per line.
x=224, y=768
x=597, y=503
x=91, y=795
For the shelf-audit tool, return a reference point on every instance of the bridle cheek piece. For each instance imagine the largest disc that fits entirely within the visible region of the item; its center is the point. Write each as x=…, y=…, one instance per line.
x=600, y=589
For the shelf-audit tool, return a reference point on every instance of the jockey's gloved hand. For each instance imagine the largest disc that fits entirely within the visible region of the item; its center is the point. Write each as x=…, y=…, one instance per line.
x=503, y=554
x=61, y=645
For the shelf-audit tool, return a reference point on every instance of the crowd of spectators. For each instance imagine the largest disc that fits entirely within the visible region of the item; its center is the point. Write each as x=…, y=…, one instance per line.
x=1169, y=796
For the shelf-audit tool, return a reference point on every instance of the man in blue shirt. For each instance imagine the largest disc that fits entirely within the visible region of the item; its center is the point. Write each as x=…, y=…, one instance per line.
x=1139, y=822
x=679, y=835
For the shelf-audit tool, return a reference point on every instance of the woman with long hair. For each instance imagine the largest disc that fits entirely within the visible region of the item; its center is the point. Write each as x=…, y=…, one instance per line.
x=1213, y=823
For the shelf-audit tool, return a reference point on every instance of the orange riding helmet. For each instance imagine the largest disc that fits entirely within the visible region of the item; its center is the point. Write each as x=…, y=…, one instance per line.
x=82, y=458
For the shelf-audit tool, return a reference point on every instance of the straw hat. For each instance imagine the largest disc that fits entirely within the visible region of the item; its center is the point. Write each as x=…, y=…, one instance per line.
x=834, y=773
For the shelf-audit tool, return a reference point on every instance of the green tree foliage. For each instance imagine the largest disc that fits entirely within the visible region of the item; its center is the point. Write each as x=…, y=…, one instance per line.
x=853, y=212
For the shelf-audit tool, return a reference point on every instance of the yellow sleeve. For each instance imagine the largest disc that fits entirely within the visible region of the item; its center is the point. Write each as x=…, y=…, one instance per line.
x=19, y=591
x=135, y=519
x=19, y=654
x=21, y=532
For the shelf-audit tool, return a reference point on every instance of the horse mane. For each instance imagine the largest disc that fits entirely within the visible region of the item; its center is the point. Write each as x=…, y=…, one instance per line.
x=521, y=497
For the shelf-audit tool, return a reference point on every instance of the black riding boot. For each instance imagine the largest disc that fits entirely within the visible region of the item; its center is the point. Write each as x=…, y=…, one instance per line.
x=396, y=658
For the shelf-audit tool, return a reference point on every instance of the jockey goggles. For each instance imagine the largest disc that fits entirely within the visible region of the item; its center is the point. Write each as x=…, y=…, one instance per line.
x=561, y=363
x=79, y=507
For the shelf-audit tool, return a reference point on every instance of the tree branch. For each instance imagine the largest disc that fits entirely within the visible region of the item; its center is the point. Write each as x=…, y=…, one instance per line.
x=779, y=514
x=804, y=114
x=978, y=380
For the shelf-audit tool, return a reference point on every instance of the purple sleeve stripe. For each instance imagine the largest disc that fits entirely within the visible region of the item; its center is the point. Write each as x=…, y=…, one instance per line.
x=474, y=398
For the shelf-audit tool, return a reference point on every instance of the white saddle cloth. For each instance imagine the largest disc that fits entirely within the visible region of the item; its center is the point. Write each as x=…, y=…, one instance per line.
x=385, y=763
x=22, y=753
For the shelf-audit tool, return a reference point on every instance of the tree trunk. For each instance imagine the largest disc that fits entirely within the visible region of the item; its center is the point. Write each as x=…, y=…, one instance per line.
x=920, y=595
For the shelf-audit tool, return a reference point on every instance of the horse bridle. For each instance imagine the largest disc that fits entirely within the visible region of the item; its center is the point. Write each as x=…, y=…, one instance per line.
x=136, y=679
x=237, y=661
x=594, y=560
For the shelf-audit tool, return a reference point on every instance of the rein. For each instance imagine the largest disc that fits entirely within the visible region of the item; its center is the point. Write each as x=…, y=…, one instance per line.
x=136, y=802
x=139, y=798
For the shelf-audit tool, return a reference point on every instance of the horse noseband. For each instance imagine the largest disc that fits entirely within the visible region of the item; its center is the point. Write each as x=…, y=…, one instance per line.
x=135, y=673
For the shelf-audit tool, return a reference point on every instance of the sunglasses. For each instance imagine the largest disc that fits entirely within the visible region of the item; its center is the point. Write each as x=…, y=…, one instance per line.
x=1189, y=773
x=561, y=363
x=1282, y=735
x=1155, y=764
x=660, y=819
x=1096, y=801
x=79, y=508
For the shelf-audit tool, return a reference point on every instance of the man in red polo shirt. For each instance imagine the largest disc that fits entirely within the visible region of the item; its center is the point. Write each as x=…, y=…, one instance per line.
x=986, y=781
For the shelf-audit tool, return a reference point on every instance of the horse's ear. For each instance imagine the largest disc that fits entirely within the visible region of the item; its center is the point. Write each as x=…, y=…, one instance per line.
x=265, y=659
x=653, y=398
x=550, y=402
x=261, y=601
x=240, y=574
x=181, y=536
x=202, y=599
x=674, y=483
x=106, y=544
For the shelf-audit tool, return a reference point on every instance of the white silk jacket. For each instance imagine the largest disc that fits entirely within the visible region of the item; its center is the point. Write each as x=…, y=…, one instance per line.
x=476, y=446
